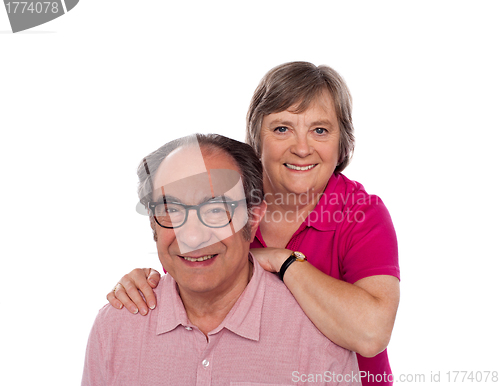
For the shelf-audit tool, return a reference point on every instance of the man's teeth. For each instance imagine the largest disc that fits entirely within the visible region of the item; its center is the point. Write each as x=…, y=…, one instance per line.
x=203, y=258
x=293, y=167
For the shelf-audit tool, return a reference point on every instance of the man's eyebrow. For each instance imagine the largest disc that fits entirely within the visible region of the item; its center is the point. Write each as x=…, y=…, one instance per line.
x=219, y=198
x=163, y=198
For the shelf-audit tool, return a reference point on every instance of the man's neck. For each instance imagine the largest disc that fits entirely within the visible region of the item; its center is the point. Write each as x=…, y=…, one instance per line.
x=207, y=311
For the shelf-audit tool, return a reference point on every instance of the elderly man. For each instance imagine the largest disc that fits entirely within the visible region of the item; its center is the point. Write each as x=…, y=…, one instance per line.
x=221, y=319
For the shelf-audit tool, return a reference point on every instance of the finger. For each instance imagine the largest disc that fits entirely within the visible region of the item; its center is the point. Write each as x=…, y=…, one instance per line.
x=152, y=281
x=153, y=277
x=132, y=283
x=114, y=301
x=130, y=297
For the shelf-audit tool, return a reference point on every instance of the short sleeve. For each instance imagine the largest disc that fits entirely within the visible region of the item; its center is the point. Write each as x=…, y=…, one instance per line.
x=367, y=240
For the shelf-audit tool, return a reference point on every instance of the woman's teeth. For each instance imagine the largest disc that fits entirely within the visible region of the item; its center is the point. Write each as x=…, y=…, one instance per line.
x=293, y=167
x=203, y=258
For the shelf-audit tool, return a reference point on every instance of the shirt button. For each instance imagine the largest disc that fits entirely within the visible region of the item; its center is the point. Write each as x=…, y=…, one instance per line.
x=188, y=328
x=205, y=363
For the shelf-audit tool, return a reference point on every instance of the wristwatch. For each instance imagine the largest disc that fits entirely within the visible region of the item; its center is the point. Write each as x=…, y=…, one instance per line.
x=295, y=256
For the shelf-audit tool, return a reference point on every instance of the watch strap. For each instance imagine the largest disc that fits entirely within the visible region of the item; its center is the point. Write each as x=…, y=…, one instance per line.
x=288, y=262
x=293, y=257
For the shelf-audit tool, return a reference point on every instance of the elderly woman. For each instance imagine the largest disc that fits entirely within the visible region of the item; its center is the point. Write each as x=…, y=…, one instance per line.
x=299, y=122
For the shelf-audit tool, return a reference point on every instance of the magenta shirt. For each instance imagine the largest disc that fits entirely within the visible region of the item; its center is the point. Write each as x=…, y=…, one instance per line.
x=266, y=339
x=349, y=236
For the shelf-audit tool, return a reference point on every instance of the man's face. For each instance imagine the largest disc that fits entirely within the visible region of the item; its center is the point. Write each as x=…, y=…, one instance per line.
x=202, y=259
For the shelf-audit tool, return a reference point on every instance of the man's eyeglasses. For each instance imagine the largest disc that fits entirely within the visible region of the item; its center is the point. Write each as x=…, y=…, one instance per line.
x=213, y=214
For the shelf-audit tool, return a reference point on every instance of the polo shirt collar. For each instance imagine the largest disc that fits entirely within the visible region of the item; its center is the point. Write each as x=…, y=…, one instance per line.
x=244, y=319
x=171, y=311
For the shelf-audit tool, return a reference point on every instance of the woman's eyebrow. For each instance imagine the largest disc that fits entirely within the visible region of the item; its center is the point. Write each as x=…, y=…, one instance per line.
x=167, y=198
x=325, y=122
x=322, y=122
x=281, y=122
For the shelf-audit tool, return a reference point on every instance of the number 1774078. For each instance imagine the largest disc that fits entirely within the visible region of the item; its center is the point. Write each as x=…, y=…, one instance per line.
x=32, y=7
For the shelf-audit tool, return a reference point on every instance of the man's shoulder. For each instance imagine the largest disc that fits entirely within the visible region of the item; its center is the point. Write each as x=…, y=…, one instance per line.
x=277, y=291
x=279, y=302
x=112, y=319
x=281, y=309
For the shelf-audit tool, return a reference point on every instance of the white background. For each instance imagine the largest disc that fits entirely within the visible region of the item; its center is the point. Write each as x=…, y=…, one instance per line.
x=86, y=96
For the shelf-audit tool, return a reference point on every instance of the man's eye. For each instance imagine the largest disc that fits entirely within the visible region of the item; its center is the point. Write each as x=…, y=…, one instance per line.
x=320, y=130
x=281, y=129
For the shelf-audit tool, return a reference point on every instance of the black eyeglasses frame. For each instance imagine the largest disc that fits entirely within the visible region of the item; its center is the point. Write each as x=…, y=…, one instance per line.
x=231, y=204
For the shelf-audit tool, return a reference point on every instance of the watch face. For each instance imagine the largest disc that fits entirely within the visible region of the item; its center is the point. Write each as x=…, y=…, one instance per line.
x=300, y=255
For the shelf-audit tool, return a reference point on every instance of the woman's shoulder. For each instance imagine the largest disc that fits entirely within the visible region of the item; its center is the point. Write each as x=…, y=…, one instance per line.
x=349, y=193
x=349, y=186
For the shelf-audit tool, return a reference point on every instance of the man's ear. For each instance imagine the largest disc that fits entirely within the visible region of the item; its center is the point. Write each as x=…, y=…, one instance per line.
x=257, y=213
x=152, y=223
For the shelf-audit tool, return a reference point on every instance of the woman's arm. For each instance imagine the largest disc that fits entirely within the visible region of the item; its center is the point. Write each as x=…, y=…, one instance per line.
x=126, y=292
x=358, y=316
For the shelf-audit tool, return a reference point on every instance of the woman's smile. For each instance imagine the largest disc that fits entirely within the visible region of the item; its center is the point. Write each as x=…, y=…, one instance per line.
x=300, y=151
x=302, y=168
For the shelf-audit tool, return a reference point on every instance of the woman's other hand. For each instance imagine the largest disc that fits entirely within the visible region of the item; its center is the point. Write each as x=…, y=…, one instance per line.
x=271, y=259
x=126, y=292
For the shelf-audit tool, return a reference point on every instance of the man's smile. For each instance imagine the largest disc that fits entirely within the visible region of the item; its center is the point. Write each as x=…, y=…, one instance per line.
x=201, y=258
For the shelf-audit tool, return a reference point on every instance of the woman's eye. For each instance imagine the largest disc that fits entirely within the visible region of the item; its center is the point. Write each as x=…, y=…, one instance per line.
x=320, y=130
x=281, y=129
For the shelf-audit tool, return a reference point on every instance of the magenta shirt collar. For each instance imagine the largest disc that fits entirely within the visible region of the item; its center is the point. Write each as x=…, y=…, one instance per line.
x=330, y=201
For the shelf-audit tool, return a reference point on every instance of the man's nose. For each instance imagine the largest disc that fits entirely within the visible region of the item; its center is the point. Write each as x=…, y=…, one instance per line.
x=193, y=234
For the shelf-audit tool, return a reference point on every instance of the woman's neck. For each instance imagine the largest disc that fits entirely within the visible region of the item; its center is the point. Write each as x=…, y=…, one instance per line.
x=284, y=215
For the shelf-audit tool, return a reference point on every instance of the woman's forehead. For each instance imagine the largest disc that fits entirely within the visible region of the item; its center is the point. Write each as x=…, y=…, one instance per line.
x=322, y=99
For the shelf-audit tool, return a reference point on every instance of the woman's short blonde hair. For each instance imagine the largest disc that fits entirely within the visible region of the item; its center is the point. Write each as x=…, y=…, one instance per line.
x=300, y=83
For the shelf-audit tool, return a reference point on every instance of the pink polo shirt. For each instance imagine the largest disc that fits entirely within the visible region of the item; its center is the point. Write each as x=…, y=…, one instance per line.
x=266, y=339
x=349, y=236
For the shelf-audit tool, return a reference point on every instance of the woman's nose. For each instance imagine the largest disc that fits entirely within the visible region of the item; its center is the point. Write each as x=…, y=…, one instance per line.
x=301, y=146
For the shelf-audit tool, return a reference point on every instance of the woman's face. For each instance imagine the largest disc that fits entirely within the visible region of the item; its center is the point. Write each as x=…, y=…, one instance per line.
x=300, y=151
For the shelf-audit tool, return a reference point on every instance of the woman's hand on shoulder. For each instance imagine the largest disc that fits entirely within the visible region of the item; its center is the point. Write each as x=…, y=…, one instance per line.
x=271, y=259
x=126, y=292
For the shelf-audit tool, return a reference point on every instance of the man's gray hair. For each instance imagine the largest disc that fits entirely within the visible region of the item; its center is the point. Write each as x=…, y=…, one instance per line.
x=244, y=156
